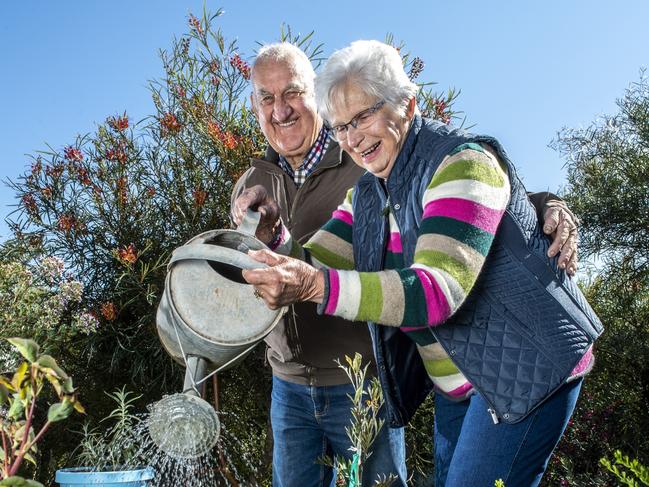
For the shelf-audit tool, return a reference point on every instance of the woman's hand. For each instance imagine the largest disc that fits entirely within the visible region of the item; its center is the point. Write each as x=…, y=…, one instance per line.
x=257, y=198
x=285, y=281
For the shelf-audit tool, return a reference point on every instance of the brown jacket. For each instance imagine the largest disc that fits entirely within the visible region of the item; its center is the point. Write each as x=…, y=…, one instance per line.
x=303, y=347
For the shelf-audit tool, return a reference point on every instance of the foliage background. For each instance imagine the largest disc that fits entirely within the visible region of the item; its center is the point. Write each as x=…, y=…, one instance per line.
x=114, y=203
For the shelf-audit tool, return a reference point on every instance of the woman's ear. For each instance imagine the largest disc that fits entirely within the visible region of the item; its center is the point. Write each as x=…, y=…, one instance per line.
x=410, y=108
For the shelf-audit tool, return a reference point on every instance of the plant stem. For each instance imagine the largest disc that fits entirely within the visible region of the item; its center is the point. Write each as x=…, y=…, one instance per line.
x=25, y=448
x=5, y=468
x=24, y=442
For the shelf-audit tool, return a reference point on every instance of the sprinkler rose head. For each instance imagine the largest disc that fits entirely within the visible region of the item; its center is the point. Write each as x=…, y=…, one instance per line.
x=183, y=426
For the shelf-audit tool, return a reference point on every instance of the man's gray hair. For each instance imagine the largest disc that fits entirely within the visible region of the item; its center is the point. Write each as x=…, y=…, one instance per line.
x=289, y=54
x=375, y=67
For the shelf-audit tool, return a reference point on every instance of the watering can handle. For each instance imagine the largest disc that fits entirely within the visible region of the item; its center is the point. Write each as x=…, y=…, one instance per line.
x=250, y=222
x=215, y=253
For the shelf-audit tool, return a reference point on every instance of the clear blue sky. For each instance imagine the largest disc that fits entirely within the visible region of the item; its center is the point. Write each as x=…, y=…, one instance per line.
x=525, y=69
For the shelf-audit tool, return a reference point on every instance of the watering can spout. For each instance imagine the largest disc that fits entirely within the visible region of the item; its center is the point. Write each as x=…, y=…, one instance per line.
x=194, y=374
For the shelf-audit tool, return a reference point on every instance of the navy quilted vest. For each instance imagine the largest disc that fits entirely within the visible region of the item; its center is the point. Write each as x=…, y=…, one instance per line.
x=524, y=326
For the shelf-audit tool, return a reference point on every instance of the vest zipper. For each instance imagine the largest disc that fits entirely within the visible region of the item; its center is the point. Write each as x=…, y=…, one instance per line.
x=494, y=416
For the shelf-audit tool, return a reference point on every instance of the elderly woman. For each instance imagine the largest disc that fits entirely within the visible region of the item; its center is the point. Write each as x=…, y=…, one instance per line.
x=438, y=248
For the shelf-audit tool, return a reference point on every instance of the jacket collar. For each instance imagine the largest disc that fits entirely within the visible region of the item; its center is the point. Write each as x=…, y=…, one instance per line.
x=399, y=174
x=331, y=158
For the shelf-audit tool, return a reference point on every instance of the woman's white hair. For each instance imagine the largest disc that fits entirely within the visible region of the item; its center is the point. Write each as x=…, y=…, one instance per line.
x=373, y=66
x=289, y=54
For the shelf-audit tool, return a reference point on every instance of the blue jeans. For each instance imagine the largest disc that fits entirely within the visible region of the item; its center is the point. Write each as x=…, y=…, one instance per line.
x=309, y=422
x=470, y=450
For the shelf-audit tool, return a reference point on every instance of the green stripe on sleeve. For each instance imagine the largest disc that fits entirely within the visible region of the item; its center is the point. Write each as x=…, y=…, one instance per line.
x=436, y=259
x=467, y=169
x=468, y=145
x=421, y=337
x=415, y=310
x=440, y=368
x=470, y=235
x=371, y=304
x=329, y=258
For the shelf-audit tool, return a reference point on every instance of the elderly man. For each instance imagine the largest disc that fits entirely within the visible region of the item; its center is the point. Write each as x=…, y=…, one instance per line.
x=307, y=174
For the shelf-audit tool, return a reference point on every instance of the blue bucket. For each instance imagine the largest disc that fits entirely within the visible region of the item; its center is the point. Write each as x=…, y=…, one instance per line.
x=85, y=476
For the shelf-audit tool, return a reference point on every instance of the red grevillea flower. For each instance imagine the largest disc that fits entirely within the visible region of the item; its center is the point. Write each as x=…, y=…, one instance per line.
x=54, y=171
x=84, y=177
x=416, y=68
x=117, y=154
x=37, y=166
x=199, y=197
x=195, y=24
x=29, y=202
x=109, y=311
x=440, y=111
x=122, y=190
x=118, y=123
x=72, y=154
x=128, y=255
x=170, y=124
x=242, y=66
x=229, y=140
x=69, y=223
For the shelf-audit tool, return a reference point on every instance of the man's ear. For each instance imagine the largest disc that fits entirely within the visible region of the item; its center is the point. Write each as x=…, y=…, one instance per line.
x=410, y=108
x=253, y=105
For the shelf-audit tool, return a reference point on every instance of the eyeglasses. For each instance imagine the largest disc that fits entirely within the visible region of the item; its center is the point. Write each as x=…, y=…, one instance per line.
x=362, y=120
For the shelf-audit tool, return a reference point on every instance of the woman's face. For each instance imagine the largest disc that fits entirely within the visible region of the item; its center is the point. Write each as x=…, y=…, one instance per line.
x=375, y=143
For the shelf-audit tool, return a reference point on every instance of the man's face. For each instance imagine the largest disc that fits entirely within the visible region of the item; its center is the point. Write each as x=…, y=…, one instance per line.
x=285, y=107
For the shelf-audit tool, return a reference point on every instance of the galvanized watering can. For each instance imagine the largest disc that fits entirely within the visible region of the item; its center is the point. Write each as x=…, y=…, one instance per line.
x=208, y=320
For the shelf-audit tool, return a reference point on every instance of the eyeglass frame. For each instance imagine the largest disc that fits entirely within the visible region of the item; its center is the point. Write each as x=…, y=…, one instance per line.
x=354, y=121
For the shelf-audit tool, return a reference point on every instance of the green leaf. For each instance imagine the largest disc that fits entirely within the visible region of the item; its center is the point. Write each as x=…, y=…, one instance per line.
x=17, y=407
x=19, y=376
x=48, y=362
x=16, y=481
x=30, y=458
x=59, y=411
x=68, y=388
x=27, y=348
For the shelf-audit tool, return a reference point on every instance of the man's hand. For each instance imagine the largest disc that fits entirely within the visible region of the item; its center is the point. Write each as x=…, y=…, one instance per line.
x=257, y=198
x=286, y=281
x=561, y=225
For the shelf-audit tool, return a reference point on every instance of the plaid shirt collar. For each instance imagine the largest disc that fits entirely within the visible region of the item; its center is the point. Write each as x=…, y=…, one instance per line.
x=311, y=160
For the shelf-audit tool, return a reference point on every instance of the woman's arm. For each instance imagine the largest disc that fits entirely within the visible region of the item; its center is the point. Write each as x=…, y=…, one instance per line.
x=462, y=207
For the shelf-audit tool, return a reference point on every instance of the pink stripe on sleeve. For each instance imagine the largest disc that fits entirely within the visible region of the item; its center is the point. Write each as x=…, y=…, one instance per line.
x=437, y=306
x=334, y=292
x=460, y=391
x=413, y=328
x=344, y=216
x=466, y=211
x=394, y=245
x=584, y=363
